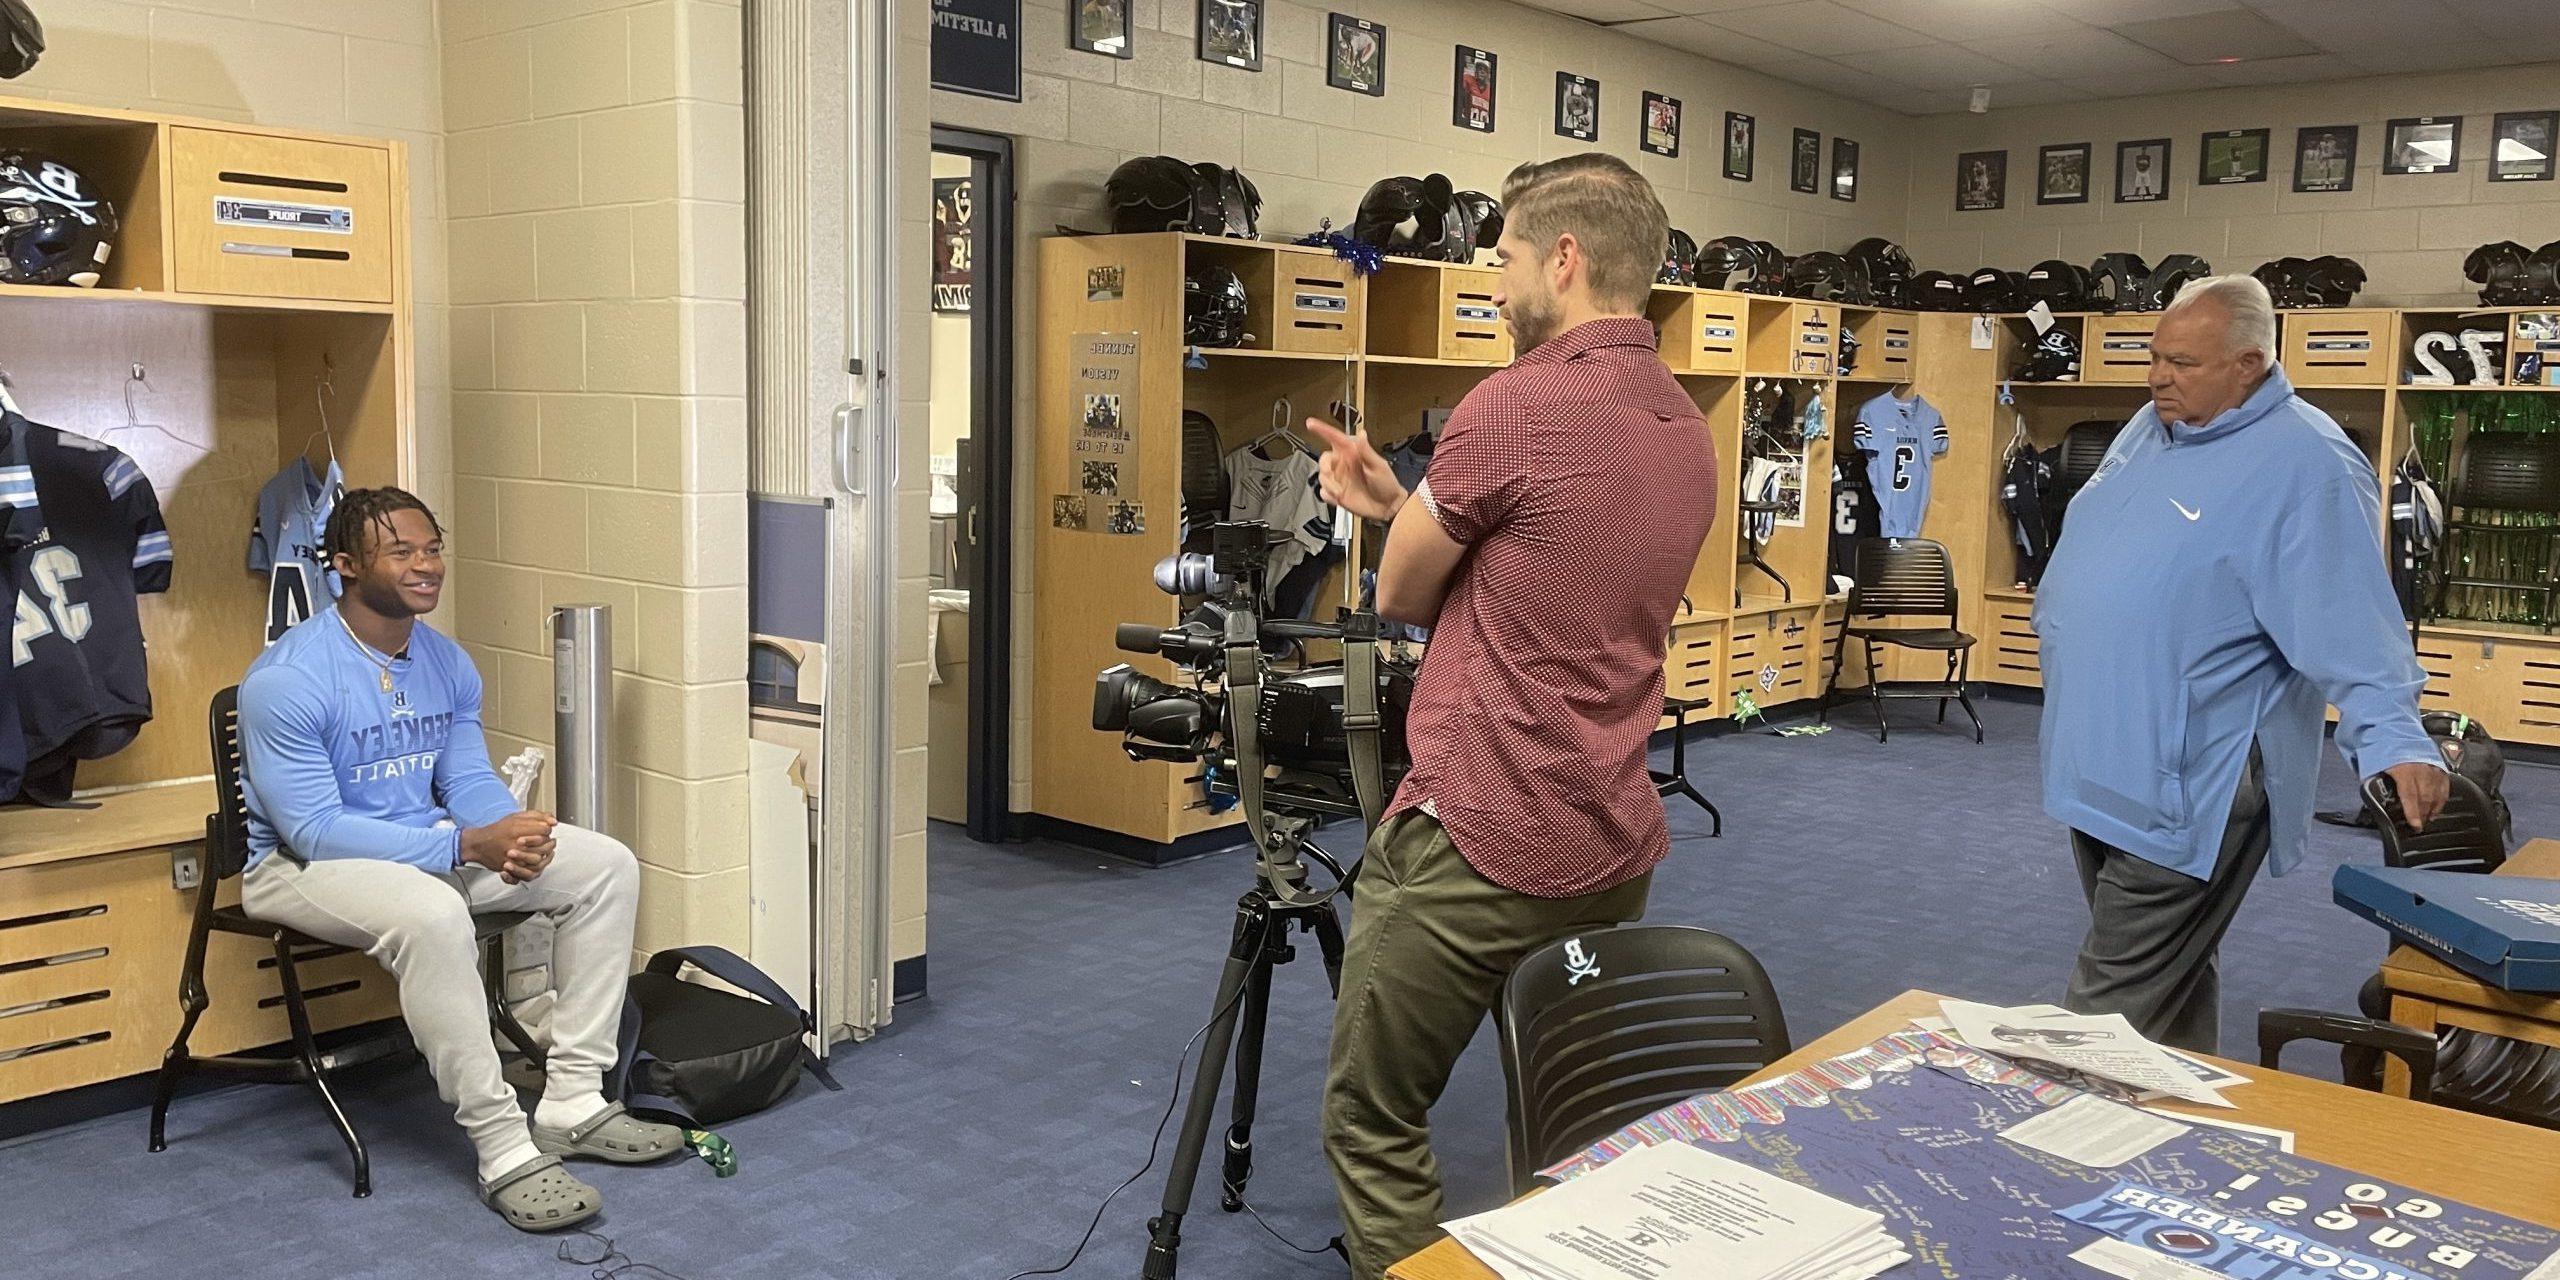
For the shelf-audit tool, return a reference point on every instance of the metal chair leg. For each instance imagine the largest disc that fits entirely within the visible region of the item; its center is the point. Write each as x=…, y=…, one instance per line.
x=1951, y=675
x=1875, y=691
x=1964, y=694
x=308, y=1053
x=1831, y=682
x=493, y=971
x=175, y=1060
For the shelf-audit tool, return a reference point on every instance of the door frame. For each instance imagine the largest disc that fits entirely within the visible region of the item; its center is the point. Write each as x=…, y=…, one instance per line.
x=991, y=430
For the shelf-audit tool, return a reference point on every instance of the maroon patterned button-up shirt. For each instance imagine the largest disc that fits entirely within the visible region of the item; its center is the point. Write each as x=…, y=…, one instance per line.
x=1582, y=481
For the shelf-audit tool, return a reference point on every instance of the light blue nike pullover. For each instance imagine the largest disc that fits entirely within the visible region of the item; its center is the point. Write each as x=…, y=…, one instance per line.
x=337, y=768
x=2209, y=587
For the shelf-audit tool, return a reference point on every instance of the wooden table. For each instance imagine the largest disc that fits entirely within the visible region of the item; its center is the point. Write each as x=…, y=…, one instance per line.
x=2429, y=994
x=2505, y=1167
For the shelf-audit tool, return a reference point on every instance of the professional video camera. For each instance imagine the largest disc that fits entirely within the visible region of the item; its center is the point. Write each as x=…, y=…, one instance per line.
x=1294, y=748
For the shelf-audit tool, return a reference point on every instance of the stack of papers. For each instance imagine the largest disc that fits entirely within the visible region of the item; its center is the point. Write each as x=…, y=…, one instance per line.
x=2101, y=1045
x=1676, y=1212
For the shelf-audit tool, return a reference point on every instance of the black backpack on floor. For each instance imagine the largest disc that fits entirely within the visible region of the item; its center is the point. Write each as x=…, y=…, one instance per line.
x=698, y=1056
x=2468, y=750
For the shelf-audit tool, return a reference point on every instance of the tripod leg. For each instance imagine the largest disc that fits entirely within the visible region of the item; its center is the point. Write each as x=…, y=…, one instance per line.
x=1244, y=954
x=1238, y=1166
x=1326, y=924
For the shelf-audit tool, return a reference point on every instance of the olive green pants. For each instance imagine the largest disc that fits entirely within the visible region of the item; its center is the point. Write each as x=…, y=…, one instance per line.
x=1431, y=943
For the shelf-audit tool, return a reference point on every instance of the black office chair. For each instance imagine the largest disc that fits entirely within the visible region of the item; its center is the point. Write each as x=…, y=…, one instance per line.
x=1604, y=1029
x=2499, y=473
x=2084, y=446
x=1675, y=781
x=2465, y=835
x=1905, y=577
x=2280, y=1027
x=226, y=855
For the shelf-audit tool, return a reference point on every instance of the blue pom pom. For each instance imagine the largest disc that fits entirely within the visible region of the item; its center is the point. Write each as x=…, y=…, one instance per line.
x=1365, y=259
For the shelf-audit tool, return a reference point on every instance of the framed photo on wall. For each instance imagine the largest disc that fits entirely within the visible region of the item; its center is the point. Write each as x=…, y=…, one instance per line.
x=1804, y=166
x=1982, y=181
x=2324, y=158
x=1741, y=139
x=2062, y=174
x=2521, y=145
x=1355, y=55
x=1100, y=26
x=2142, y=171
x=1577, y=106
x=1844, y=170
x=2422, y=144
x=2231, y=157
x=1471, y=90
x=1231, y=33
x=1661, y=125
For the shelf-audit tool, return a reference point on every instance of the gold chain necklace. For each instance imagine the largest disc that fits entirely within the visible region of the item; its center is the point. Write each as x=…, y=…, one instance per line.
x=365, y=649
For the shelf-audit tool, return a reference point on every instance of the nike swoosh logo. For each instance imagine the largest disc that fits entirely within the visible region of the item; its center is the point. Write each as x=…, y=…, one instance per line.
x=2182, y=510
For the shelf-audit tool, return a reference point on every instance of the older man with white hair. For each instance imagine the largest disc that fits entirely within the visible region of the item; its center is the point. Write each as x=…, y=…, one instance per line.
x=2219, y=582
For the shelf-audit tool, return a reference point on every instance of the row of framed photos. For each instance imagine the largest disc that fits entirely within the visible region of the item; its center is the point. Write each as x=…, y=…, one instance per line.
x=2324, y=159
x=1230, y=34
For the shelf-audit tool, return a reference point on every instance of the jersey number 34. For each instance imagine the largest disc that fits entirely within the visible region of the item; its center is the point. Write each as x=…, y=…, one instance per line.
x=53, y=569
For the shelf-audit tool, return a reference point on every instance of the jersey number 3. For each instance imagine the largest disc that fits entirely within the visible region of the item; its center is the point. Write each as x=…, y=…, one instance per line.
x=54, y=569
x=1902, y=456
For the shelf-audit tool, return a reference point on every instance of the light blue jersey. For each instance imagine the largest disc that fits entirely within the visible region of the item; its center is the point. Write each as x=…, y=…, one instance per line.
x=335, y=767
x=284, y=544
x=2212, y=588
x=1907, y=437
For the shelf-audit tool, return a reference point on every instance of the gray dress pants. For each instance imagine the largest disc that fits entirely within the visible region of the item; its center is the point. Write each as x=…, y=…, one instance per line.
x=2153, y=932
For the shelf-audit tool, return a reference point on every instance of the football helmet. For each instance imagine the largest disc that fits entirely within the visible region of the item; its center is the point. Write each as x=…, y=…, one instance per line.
x=1213, y=306
x=53, y=228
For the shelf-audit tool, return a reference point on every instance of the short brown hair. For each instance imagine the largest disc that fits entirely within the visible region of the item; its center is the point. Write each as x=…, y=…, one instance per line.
x=1608, y=208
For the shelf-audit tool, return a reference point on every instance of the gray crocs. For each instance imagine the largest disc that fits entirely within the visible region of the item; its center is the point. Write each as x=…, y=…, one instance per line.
x=612, y=1134
x=540, y=1195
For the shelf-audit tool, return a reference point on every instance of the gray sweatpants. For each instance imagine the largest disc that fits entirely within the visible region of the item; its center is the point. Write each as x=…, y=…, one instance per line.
x=417, y=925
x=2153, y=932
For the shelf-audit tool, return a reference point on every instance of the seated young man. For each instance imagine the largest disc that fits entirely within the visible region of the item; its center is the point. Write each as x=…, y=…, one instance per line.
x=375, y=822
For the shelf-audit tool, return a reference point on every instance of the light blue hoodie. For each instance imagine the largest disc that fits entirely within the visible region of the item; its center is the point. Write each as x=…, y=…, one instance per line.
x=2222, y=584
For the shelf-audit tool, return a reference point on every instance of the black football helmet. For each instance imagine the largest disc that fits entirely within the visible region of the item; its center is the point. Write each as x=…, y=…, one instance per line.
x=2175, y=272
x=2119, y=279
x=2332, y=281
x=1849, y=346
x=1679, y=259
x=1822, y=276
x=21, y=39
x=1938, y=291
x=1482, y=212
x=1726, y=262
x=1213, y=306
x=2498, y=269
x=1889, y=270
x=1769, y=274
x=2288, y=281
x=1992, y=289
x=2056, y=284
x=1408, y=217
x=1224, y=202
x=1151, y=193
x=2055, y=357
x=2542, y=275
x=53, y=228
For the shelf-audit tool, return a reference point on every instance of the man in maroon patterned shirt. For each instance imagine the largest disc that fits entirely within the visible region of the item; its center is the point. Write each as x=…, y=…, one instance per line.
x=1547, y=549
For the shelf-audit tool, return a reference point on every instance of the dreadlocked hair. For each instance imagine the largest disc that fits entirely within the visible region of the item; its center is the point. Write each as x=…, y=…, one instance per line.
x=360, y=509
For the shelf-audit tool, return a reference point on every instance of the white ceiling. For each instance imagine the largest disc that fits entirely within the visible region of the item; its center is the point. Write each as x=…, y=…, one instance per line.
x=1922, y=56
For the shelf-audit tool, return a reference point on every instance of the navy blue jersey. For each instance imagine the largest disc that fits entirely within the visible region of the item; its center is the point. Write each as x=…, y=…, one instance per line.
x=83, y=686
x=1854, y=515
x=20, y=523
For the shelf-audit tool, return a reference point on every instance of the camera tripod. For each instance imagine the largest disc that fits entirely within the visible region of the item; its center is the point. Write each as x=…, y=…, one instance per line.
x=1259, y=943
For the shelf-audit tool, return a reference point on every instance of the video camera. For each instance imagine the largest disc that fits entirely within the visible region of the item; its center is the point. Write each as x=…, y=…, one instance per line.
x=1294, y=747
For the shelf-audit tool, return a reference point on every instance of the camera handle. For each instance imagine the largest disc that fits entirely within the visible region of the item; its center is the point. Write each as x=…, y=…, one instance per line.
x=1362, y=722
x=1278, y=862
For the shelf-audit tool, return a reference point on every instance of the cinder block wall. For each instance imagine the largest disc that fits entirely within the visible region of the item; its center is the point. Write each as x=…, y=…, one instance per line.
x=597, y=229
x=2410, y=231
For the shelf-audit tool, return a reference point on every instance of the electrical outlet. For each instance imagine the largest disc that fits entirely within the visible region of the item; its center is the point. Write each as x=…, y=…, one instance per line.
x=186, y=867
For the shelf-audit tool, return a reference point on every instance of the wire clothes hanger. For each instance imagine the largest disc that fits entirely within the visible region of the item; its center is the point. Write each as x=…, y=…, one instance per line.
x=1281, y=431
x=324, y=389
x=232, y=468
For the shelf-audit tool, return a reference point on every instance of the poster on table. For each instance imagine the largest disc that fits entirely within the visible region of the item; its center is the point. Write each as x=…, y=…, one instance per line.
x=954, y=208
x=1102, y=451
x=977, y=47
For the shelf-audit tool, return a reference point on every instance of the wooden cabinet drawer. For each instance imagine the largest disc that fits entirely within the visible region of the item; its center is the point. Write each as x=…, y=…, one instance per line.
x=1694, y=669
x=1775, y=656
x=1701, y=331
x=2338, y=348
x=281, y=217
x=2014, y=651
x=2118, y=349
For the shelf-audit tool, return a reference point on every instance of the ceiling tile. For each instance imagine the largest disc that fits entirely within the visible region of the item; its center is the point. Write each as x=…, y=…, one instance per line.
x=2216, y=37
x=1964, y=20
x=2302, y=70
x=1921, y=102
x=2140, y=84
x=2357, y=27
x=2107, y=13
x=1820, y=27
x=1697, y=7
x=2394, y=58
x=1935, y=66
x=1823, y=73
x=1608, y=11
x=1694, y=35
x=2064, y=55
x=2035, y=93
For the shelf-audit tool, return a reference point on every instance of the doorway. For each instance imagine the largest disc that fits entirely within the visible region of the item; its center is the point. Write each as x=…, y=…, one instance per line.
x=968, y=747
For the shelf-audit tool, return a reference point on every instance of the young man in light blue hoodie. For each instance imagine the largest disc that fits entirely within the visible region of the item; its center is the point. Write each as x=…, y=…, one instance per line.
x=2218, y=583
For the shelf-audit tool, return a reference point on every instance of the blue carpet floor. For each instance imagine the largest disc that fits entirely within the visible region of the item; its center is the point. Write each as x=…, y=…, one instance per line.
x=974, y=1139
